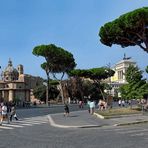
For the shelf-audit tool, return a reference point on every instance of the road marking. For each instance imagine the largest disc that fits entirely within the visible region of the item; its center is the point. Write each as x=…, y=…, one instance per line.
x=4, y=127
x=138, y=134
x=31, y=122
x=12, y=125
x=133, y=131
x=24, y=122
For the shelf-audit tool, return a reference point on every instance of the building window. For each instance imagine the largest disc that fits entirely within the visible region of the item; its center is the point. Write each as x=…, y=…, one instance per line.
x=120, y=74
x=6, y=86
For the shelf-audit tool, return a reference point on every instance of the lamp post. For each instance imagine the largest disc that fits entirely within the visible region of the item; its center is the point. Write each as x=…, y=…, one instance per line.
x=109, y=72
x=109, y=99
x=47, y=94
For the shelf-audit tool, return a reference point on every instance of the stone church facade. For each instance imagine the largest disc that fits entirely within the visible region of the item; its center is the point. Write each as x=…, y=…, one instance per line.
x=17, y=86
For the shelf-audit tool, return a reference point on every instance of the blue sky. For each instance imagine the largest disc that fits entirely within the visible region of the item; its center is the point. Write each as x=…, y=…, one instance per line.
x=70, y=24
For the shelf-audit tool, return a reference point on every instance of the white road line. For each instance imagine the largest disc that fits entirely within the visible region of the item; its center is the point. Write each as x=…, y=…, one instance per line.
x=132, y=131
x=33, y=123
x=29, y=122
x=108, y=130
x=3, y=127
x=36, y=118
x=24, y=122
x=12, y=125
x=138, y=134
x=120, y=129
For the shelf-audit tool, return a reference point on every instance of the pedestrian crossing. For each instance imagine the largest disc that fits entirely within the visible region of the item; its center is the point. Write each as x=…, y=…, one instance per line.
x=24, y=122
x=136, y=131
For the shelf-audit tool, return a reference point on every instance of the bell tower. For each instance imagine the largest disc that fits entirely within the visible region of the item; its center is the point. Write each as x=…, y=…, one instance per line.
x=20, y=69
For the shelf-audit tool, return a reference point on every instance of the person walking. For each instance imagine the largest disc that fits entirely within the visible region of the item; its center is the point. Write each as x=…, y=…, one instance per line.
x=66, y=108
x=119, y=103
x=80, y=104
x=13, y=113
x=88, y=106
x=4, y=113
x=92, y=107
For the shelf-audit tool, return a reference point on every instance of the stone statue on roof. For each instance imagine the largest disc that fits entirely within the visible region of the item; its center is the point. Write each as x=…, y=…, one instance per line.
x=126, y=58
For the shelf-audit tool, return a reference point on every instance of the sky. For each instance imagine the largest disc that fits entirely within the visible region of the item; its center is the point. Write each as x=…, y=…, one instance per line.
x=71, y=24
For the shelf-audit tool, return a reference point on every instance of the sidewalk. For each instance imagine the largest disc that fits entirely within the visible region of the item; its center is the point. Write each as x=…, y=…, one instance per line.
x=82, y=119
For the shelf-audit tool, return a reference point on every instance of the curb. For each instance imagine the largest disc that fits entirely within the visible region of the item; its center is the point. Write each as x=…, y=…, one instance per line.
x=121, y=124
x=52, y=123
x=100, y=116
x=131, y=123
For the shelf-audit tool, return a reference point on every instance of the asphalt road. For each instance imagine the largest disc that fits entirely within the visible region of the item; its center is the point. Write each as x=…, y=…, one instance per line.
x=42, y=135
x=39, y=111
x=34, y=131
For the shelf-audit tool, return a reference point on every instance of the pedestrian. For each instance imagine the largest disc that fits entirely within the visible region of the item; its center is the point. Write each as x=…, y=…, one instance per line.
x=80, y=104
x=66, y=108
x=13, y=113
x=4, y=113
x=88, y=105
x=92, y=107
x=123, y=103
x=119, y=103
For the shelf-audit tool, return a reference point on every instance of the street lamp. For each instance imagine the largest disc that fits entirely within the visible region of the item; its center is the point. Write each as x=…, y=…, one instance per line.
x=45, y=84
x=109, y=78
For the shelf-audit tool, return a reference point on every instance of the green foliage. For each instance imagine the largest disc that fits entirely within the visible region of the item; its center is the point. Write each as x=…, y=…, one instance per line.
x=54, y=82
x=94, y=73
x=57, y=59
x=87, y=88
x=133, y=74
x=129, y=29
x=137, y=87
x=40, y=92
x=124, y=89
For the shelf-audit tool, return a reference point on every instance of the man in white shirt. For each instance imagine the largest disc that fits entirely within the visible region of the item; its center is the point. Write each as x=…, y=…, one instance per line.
x=4, y=113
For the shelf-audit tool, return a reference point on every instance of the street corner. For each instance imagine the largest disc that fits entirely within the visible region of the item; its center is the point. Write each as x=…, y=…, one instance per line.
x=99, y=116
x=53, y=124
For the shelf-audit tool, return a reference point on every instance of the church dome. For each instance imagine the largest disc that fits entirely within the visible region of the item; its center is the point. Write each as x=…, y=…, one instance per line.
x=10, y=73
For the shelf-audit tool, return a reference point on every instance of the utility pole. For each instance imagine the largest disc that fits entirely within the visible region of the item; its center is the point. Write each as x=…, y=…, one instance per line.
x=109, y=99
x=109, y=68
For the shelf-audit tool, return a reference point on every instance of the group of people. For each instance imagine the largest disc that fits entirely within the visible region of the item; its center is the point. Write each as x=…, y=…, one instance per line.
x=7, y=112
x=121, y=103
x=102, y=105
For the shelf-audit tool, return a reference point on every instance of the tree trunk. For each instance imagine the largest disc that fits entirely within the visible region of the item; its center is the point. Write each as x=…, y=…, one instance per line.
x=102, y=94
x=98, y=82
x=47, y=91
x=62, y=95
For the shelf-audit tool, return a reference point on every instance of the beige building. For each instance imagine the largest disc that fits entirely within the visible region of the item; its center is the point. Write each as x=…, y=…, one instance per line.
x=120, y=69
x=119, y=79
x=17, y=86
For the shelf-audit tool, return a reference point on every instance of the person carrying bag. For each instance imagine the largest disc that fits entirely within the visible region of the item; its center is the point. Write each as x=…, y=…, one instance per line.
x=13, y=113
